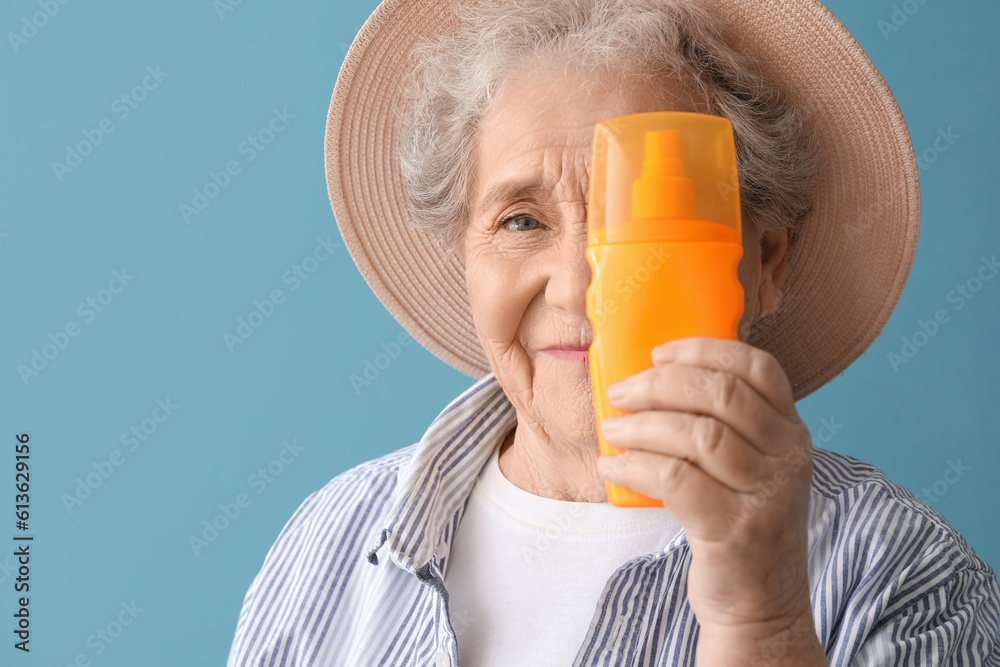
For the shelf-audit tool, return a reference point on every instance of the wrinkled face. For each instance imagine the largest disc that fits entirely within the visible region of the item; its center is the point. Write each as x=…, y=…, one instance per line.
x=526, y=266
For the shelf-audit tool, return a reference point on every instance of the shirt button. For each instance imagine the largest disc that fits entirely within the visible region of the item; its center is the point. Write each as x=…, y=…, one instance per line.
x=442, y=659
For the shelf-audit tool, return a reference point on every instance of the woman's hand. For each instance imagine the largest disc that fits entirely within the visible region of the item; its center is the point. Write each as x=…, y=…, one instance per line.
x=714, y=434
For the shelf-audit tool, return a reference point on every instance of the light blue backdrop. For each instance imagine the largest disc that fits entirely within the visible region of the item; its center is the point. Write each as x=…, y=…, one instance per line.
x=149, y=352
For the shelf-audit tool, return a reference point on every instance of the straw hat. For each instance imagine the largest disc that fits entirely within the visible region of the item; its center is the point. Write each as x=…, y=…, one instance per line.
x=847, y=266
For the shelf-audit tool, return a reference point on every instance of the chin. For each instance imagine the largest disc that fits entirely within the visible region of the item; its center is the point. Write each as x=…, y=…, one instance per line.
x=571, y=403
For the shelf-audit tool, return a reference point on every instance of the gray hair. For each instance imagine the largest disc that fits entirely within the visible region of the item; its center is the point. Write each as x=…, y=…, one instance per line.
x=459, y=76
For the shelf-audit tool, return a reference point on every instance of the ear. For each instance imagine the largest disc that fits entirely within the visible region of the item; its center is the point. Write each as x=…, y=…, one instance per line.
x=774, y=270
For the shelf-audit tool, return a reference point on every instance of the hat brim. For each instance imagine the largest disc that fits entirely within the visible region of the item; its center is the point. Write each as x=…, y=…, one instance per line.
x=847, y=266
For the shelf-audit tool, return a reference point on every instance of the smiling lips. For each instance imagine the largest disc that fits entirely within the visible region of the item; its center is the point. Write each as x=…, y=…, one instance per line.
x=577, y=352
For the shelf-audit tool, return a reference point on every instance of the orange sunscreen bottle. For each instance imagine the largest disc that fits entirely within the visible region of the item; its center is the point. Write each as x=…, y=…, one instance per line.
x=663, y=241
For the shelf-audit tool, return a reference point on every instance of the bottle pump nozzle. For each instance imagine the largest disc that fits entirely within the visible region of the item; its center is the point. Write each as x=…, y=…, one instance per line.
x=663, y=191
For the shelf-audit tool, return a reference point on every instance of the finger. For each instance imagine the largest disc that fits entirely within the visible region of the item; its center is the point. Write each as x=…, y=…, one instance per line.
x=692, y=496
x=704, y=440
x=756, y=367
x=727, y=398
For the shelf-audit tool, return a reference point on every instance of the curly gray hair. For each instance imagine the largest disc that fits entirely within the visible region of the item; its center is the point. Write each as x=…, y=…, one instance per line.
x=460, y=75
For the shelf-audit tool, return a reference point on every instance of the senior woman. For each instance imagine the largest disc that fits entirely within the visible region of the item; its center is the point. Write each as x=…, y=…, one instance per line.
x=458, y=151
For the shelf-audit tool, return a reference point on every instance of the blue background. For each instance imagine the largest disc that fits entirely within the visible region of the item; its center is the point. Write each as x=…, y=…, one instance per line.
x=161, y=337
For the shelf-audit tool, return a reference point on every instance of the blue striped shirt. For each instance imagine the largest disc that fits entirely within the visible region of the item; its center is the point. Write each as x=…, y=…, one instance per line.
x=356, y=575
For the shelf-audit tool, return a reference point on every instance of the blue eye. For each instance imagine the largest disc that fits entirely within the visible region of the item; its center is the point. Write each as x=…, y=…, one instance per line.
x=517, y=217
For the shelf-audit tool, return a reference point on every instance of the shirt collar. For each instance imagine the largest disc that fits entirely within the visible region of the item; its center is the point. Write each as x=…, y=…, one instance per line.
x=436, y=482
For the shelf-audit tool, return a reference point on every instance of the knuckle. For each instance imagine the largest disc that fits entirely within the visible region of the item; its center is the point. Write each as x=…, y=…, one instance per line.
x=653, y=380
x=671, y=474
x=646, y=381
x=707, y=433
x=726, y=389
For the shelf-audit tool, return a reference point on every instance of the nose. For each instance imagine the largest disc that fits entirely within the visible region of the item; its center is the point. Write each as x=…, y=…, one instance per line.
x=569, y=271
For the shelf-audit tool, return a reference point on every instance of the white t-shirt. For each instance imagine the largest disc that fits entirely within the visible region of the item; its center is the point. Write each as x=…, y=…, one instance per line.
x=548, y=561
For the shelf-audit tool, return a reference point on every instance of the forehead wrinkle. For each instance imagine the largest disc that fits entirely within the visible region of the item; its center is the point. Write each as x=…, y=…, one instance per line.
x=570, y=137
x=526, y=182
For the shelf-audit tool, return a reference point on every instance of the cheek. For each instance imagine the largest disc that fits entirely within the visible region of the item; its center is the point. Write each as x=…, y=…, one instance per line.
x=500, y=290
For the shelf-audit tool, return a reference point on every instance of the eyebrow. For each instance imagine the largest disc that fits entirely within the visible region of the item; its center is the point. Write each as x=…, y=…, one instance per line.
x=507, y=190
